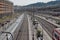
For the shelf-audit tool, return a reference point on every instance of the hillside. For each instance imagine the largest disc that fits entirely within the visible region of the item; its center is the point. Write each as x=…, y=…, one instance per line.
x=40, y=4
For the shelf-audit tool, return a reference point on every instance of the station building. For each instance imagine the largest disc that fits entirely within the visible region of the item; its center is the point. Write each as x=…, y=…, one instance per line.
x=6, y=8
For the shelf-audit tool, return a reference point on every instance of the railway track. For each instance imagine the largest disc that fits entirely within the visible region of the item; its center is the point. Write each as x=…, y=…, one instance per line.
x=23, y=32
x=48, y=27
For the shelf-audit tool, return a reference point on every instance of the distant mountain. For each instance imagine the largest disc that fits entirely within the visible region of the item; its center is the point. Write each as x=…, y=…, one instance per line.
x=57, y=0
x=40, y=4
x=51, y=5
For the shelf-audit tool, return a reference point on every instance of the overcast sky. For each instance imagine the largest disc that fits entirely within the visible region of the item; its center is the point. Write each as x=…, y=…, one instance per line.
x=26, y=2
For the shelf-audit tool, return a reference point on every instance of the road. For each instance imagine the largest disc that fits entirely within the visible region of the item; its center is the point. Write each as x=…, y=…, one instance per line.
x=23, y=33
x=48, y=27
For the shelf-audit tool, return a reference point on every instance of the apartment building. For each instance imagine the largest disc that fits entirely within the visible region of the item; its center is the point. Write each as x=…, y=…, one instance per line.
x=6, y=8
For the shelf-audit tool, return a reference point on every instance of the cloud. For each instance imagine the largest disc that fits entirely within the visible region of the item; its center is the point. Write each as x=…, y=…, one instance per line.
x=26, y=2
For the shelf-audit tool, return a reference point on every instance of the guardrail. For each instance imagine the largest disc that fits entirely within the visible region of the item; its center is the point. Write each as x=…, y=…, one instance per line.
x=13, y=29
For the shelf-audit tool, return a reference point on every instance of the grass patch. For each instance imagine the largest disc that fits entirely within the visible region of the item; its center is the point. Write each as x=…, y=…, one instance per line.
x=7, y=18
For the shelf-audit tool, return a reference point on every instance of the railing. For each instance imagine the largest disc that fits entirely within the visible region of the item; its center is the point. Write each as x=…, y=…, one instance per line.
x=13, y=29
